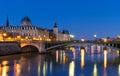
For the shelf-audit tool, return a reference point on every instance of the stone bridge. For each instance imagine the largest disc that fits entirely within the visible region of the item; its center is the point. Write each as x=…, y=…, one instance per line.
x=39, y=45
x=42, y=46
x=52, y=45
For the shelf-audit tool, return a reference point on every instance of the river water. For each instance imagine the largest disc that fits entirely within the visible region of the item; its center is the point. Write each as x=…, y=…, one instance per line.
x=91, y=61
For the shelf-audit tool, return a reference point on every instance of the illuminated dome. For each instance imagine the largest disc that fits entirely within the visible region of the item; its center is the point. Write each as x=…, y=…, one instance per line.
x=26, y=21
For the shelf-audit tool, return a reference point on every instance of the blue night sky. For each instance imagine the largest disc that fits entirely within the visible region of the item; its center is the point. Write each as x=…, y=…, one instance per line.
x=83, y=18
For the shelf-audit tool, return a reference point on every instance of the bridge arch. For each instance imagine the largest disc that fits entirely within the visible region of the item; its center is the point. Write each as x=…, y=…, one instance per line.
x=29, y=47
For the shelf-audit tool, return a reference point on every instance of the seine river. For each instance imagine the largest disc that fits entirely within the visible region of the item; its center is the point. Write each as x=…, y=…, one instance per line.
x=91, y=61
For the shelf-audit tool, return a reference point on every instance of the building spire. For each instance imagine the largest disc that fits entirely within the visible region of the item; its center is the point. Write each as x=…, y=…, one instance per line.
x=55, y=25
x=7, y=21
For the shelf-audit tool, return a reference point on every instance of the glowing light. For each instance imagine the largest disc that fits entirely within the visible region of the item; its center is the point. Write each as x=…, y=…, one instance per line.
x=1, y=37
x=82, y=58
x=5, y=70
x=95, y=35
x=72, y=36
x=39, y=71
x=17, y=68
x=82, y=40
x=95, y=70
x=104, y=39
x=118, y=52
x=5, y=62
x=0, y=69
x=119, y=70
x=9, y=38
x=34, y=38
x=4, y=34
x=105, y=59
x=71, y=48
x=71, y=68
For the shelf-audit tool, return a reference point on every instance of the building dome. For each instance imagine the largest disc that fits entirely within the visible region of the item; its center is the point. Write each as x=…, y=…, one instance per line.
x=26, y=21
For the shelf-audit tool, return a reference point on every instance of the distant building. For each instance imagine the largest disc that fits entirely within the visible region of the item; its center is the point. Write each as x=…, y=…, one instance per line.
x=26, y=29
x=52, y=36
x=61, y=35
x=29, y=31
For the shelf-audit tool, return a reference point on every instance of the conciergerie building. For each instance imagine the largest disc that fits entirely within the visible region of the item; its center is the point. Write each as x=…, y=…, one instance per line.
x=27, y=31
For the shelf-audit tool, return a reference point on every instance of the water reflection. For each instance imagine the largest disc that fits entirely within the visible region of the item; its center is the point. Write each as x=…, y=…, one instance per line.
x=95, y=73
x=98, y=49
x=61, y=56
x=39, y=68
x=92, y=52
x=63, y=63
x=44, y=68
x=17, y=68
x=51, y=67
x=74, y=54
x=71, y=68
x=5, y=69
x=118, y=52
x=119, y=70
x=82, y=57
x=56, y=55
x=105, y=59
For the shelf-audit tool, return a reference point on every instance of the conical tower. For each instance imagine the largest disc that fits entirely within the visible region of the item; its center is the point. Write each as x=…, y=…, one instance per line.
x=7, y=22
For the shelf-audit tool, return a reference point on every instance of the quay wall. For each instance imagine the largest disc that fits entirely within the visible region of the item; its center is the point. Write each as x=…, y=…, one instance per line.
x=7, y=48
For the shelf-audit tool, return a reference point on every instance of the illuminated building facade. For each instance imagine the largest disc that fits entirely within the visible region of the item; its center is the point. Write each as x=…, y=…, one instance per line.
x=26, y=29
x=61, y=35
x=29, y=31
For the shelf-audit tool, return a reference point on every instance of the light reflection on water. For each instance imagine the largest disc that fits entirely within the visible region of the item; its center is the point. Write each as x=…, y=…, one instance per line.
x=95, y=70
x=82, y=58
x=71, y=68
x=91, y=61
x=119, y=70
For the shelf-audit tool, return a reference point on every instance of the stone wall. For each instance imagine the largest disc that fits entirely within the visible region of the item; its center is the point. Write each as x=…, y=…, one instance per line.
x=7, y=48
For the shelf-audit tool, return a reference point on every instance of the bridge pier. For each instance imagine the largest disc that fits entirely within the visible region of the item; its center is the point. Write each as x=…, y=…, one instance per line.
x=42, y=47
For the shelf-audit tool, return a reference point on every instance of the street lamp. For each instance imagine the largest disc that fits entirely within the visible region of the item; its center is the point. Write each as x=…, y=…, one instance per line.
x=82, y=40
x=95, y=36
x=40, y=37
x=4, y=35
x=18, y=37
x=72, y=37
